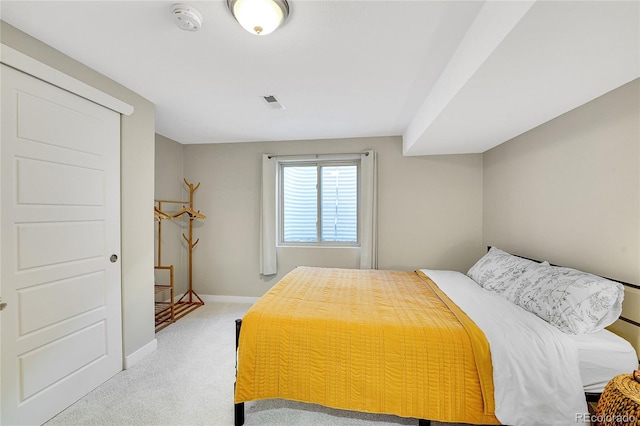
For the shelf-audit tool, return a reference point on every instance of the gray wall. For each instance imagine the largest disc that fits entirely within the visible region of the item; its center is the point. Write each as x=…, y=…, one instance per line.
x=137, y=158
x=169, y=185
x=429, y=212
x=568, y=191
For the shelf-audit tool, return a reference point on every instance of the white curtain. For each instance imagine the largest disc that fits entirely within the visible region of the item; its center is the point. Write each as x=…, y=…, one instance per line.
x=369, y=215
x=268, y=262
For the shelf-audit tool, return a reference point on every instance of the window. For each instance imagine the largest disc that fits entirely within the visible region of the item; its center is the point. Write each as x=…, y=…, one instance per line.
x=319, y=203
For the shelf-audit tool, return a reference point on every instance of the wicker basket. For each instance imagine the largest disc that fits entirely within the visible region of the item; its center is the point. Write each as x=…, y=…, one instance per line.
x=620, y=402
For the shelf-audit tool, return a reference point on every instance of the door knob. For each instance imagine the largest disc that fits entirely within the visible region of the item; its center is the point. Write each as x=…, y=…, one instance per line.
x=113, y=258
x=2, y=306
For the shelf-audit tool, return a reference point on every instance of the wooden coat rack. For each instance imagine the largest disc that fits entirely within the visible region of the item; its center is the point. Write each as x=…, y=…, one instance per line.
x=190, y=299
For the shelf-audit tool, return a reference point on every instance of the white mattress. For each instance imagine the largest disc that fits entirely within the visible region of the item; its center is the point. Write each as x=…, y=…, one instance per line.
x=533, y=362
x=602, y=356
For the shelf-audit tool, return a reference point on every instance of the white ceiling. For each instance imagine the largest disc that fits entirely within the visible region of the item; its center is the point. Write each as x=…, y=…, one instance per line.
x=449, y=76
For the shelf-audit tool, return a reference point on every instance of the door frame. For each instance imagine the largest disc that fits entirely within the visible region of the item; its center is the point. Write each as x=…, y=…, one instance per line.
x=37, y=69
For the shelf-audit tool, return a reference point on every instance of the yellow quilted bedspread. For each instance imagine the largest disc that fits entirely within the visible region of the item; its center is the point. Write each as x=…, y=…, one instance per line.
x=374, y=341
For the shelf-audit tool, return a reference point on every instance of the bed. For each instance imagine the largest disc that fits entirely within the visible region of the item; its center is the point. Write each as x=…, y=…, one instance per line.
x=432, y=345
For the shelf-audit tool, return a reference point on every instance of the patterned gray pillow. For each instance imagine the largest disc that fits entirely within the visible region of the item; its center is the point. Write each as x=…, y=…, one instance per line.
x=574, y=301
x=497, y=270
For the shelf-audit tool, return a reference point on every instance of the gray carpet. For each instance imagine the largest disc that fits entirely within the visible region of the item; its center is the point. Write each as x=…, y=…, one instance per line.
x=189, y=379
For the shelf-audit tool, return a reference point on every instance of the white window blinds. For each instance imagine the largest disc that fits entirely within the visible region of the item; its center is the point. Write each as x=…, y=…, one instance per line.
x=300, y=204
x=339, y=206
x=319, y=203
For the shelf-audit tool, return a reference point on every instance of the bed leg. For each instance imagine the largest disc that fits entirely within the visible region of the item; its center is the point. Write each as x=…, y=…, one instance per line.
x=238, y=409
x=592, y=397
x=238, y=414
x=422, y=422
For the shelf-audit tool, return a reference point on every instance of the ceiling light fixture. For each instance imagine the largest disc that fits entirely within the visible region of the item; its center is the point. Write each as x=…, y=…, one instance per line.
x=259, y=17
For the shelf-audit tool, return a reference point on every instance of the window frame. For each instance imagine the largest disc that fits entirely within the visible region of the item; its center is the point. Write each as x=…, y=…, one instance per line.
x=319, y=164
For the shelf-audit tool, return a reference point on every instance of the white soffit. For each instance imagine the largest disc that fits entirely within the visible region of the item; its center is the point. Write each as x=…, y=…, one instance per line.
x=552, y=58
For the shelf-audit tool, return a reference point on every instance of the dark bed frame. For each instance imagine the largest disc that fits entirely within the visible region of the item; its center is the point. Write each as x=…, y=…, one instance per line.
x=238, y=413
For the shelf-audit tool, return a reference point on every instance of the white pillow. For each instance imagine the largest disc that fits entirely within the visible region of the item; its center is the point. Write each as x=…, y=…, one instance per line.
x=497, y=270
x=575, y=302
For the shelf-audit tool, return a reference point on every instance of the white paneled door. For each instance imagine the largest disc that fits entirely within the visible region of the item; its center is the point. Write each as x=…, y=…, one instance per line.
x=61, y=332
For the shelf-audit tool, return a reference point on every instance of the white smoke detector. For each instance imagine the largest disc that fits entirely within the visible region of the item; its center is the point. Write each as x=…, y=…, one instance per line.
x=186, y=17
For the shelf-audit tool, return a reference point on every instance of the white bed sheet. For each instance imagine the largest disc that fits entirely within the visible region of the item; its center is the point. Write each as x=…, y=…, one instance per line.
x=535, y=366
x=602, y=356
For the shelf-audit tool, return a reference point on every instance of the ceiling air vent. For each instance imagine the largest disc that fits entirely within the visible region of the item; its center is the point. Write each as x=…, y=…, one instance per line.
x=273, y=102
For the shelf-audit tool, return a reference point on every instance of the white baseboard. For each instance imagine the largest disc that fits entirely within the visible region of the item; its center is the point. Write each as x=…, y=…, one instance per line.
x=138, y=355
x=228, y=299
